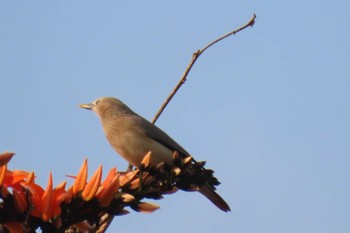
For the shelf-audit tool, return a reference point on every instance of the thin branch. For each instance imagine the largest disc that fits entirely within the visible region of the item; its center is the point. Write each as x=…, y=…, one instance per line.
x=193, y=60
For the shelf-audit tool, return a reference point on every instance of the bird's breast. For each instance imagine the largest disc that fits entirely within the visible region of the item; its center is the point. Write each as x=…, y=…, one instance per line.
x=133, y=144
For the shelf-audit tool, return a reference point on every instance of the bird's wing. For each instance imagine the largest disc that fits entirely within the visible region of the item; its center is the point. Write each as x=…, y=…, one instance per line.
x=160, y=136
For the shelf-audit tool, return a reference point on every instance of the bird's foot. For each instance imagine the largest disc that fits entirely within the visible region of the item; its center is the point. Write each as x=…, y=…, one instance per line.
x=129, y=168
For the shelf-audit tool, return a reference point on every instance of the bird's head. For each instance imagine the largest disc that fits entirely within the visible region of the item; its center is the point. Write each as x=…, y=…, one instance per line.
x=107, y=106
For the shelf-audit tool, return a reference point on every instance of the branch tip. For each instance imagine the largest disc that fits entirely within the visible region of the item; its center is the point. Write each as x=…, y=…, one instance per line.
x=195, y=56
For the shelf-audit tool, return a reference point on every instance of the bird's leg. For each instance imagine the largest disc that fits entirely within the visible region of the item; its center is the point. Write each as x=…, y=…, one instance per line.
x=130, y=167
x=145, y=165
x=140, y=180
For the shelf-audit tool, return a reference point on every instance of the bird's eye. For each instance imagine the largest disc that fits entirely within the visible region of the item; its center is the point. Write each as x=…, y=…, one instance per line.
x=97, y=102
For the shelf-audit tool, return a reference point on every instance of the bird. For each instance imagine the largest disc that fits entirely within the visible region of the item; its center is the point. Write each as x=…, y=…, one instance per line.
x=132, y=137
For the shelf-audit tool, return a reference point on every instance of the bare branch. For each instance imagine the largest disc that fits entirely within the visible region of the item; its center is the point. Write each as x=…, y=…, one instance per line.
x=193, y=60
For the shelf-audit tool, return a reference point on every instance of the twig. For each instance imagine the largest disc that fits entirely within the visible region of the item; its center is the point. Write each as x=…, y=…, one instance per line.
x=193, y=60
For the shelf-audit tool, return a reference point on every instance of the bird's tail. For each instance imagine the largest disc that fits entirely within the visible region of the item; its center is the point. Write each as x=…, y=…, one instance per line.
x=210, y=193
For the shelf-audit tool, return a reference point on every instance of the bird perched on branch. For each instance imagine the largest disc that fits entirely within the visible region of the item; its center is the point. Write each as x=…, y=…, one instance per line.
x=133, y=137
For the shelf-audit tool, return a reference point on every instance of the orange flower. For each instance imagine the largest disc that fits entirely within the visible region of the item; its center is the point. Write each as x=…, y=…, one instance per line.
x=60, y=195
x=81, y=178
x=14, y=227
x=30, y=198
x=91, y=188
x=108, y=188
x=3, y=170
x=12, y=179
x=30, y=178
x=5, y=158
x=111, y=175
x=128, y=177
x=20, y=201
x=36, y=193
x=46, y=200
x=147, y=207
x=146, y=161
x=46, y=203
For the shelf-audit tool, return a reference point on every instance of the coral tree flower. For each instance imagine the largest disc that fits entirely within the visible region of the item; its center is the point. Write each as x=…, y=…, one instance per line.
x=54, y=208
x=46, y=203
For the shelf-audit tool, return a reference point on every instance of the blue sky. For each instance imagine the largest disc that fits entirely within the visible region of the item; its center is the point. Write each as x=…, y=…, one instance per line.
x=268, y=109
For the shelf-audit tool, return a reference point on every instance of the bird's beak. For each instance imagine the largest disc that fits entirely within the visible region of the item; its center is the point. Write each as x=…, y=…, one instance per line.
x=87, y=106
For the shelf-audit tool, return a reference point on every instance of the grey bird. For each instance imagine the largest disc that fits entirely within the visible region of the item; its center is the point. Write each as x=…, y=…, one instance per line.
x=132, y=137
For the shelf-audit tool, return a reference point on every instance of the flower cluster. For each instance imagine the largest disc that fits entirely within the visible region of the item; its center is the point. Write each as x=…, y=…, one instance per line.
x=30, y=206
x=26, y=206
